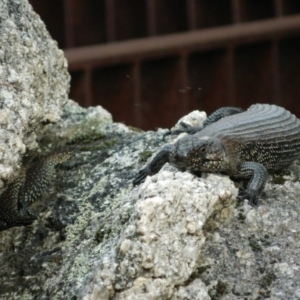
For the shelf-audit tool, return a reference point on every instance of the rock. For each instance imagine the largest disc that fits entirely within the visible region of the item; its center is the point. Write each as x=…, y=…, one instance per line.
x=164, y=236
x=176, y=236
x=193, y=119
x=77, y=124
x=34, y=82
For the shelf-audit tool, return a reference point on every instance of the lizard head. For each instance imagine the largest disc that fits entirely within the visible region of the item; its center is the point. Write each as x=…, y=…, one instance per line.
x=194, y=153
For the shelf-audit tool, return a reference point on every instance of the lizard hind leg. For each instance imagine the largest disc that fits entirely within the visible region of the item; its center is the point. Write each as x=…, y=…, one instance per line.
x=20, y=218
x=258, y=177
x=212, y=118
x=220, y=114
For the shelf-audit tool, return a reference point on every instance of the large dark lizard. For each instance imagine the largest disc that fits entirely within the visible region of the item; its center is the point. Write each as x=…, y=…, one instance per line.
x=243, y=144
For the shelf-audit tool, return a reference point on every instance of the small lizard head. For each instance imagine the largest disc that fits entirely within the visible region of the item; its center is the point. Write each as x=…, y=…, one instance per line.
x=194, y=153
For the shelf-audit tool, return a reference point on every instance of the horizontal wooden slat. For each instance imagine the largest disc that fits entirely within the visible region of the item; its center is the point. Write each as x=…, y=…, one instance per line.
x=121, y=52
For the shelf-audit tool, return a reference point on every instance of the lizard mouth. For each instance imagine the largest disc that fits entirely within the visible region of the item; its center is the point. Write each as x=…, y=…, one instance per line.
x=212, y=157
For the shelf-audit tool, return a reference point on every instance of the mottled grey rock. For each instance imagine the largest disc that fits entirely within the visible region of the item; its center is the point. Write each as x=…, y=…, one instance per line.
x=34, y=82
x=194, y=291
x=194, y=119
x=77, y=124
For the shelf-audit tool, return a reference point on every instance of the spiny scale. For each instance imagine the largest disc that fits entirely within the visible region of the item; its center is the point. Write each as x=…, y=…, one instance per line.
x=39, y=173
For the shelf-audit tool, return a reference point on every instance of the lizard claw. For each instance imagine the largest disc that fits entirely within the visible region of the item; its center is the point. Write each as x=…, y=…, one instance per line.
x=250, y=195
x=27, y=215
x=141, y=176
x=24, y=217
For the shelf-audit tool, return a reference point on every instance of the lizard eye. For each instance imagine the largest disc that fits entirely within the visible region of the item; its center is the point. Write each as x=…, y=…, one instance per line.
x=202, y=149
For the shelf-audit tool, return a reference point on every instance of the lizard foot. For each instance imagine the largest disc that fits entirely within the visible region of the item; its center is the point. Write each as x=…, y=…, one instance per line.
x=250, y=195
x=25, y=216
x=141, y=176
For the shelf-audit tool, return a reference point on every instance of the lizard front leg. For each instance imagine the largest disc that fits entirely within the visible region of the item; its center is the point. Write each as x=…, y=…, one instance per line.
x=258, y=177
x=154, y=165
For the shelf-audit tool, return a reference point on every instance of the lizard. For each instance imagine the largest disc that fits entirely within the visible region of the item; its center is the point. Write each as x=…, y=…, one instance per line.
x=242, y=144
x=28, y=187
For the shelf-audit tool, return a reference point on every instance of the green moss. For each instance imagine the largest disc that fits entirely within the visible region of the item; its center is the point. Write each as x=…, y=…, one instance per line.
x=144, y=156
x=218, y=291
x=241, y=217
x=199, y=271
x=267, y=280
x=108, y=144
x=87, y=138
x=197, y=274
x=125, y=216
x=253, y=242
x=99, y=145
x=278, y=179
x=221, y=287
x=56, y=259
x=256, y=243
x=101, y=232
x=203, y=269
x=265, y=241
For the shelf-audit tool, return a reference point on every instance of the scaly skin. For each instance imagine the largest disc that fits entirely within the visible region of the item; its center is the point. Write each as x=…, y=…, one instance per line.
x=27, y=188
x=265, y=138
